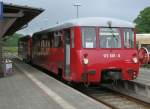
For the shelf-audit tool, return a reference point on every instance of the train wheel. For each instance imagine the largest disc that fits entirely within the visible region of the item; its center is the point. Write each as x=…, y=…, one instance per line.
x=86, y=84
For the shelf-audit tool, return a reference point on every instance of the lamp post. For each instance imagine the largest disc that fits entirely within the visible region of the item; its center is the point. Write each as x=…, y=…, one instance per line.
x=45, y=22
x=77, y=5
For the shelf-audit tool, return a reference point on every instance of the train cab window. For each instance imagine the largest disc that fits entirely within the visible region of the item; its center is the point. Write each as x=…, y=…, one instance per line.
x=128, y=38
x=72, y=38
x=110, y=38
x=89, y=37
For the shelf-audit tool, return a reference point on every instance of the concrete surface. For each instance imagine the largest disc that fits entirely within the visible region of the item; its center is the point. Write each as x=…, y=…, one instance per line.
x=29, y=88
x=144, y=76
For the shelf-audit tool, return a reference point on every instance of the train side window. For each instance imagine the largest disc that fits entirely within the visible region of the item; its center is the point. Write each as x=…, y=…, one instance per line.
x=52, y=41
x=89, y=37
x=128, y=38
x=51, y=38
x=61, y=40
x=57, y=39
x=38, y=47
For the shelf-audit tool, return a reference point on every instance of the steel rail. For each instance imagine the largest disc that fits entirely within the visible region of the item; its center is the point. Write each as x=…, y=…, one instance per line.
x=114, y=99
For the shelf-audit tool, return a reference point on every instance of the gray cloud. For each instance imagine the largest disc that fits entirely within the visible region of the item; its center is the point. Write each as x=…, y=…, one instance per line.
x=60, y=10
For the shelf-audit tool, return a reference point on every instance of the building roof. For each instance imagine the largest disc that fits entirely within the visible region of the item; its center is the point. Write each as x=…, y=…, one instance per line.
x=144, y=34
x=16, y=17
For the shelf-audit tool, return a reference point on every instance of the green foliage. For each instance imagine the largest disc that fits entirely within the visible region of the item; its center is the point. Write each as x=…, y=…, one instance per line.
x=146, y=66
x=143, y=21
x=11, y=41
x=10, y=49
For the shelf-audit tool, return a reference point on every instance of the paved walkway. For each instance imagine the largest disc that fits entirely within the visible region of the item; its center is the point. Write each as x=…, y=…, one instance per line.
x=144, y=76
x=28, y=88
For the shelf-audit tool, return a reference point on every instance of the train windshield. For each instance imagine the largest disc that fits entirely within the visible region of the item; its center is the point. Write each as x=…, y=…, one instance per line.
x=89, y=37
x=128, y=38
x=110, y=38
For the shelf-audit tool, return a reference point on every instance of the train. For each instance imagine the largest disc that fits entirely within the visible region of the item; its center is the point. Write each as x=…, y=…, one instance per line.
x=25, y=48
x=86, y=50
x=143, y=40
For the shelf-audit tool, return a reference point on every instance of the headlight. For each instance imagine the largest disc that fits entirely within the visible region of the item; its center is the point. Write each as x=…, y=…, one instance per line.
x=135, y=60
x=85, y=61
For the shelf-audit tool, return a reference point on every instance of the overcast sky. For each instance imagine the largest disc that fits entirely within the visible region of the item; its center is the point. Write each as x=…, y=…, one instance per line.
x=62, y=10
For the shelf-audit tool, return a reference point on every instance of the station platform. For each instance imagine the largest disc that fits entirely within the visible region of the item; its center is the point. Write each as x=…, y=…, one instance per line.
x=29, y=88
x=144, y=76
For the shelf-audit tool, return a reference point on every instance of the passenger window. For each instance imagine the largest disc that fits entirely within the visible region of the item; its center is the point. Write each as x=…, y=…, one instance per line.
x=57, y=39
x=52, y=40
x=89, y=37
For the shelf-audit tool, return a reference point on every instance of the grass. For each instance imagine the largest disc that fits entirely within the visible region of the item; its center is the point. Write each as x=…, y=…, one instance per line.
x=10, y=49
x=11, y=41
x=146, y=66
x=9, y=52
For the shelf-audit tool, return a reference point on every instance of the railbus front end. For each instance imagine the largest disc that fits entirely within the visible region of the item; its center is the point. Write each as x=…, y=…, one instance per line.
x=104, y=53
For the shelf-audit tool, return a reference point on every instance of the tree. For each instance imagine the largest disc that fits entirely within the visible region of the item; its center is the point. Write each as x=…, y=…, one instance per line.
x=143, y=21
x=11, y=41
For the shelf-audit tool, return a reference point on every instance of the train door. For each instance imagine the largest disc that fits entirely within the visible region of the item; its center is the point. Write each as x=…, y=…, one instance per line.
x=67, y=53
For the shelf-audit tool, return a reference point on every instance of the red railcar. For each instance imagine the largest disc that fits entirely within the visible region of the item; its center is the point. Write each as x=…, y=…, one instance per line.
x=25, y=48
x=88, y=50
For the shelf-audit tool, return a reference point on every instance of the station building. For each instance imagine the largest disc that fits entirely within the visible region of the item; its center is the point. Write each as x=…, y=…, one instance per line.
x=13, y=18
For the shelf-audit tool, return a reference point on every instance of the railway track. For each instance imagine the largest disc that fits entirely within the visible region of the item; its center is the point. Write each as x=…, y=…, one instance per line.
x=113, y=99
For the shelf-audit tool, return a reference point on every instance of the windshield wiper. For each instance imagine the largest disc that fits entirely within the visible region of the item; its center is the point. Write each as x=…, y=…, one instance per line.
x=113, y=34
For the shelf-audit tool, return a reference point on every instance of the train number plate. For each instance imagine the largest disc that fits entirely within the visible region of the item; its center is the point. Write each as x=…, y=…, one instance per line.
x=111, y=55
